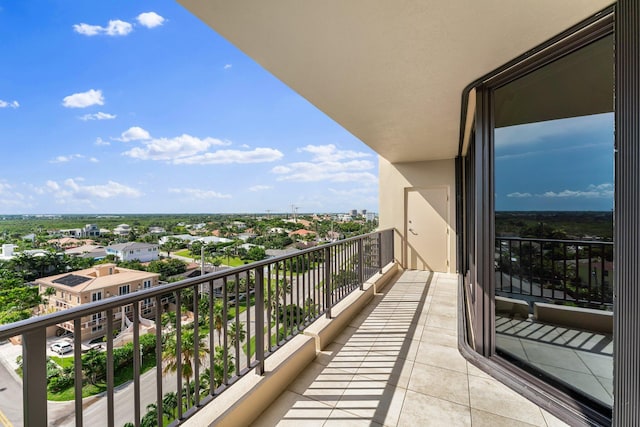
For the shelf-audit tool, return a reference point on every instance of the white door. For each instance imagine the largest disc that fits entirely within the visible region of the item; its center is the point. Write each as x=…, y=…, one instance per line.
x=427, y=229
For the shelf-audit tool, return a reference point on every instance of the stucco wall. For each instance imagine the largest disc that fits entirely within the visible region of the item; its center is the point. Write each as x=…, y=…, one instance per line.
x=396, y=179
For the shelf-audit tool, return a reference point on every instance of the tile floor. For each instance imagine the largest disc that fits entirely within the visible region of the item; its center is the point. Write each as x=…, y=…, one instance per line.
x=397, y=364
x=580, y=359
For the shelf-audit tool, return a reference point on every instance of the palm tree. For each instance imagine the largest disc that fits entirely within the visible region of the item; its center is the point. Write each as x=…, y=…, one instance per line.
x=237, y=334
x=94, y=365
x=170, y=403
x=187, y=355
x=150, y=419
x=218, y=320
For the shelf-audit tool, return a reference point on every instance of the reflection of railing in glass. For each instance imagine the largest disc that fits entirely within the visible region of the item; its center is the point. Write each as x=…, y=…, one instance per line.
x=571, y=272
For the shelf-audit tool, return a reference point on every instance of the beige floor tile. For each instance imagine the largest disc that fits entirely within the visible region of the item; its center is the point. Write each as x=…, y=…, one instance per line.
x=476, y=372
x=340, y=418
x=398, y=375
x=422, y=410
x=439, y=336
x=318, y=383
x=444, y=322
x=441, y=383
x=486, y=419
x=441, y=357
x=491, y=396
x=290, y=408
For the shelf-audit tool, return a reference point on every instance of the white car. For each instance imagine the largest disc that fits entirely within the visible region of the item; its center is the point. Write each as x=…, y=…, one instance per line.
x=61, y=347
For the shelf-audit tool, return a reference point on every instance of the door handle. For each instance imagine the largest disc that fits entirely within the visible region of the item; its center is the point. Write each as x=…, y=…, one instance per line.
x=413, y=232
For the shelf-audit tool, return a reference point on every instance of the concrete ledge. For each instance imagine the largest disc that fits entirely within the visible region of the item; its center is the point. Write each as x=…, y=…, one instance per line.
x=575, y=317
x=326, y=330
x=513, y=307
x=245, y=400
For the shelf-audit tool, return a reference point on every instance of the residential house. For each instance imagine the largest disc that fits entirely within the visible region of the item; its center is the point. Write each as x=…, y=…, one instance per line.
x=134, y=251
x=122, y=230
x=94, y=284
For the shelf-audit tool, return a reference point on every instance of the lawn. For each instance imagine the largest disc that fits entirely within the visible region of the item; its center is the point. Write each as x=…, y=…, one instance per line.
x=121, y=376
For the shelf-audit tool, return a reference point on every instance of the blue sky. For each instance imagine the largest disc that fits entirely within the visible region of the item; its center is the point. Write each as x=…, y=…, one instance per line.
x=138, y=107
x=558, y=165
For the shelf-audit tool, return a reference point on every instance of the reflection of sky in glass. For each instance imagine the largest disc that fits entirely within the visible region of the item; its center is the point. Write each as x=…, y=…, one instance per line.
x=558, y=165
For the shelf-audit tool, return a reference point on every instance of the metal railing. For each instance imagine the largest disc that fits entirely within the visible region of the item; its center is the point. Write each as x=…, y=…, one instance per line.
x=224, y=324
x=568, y=271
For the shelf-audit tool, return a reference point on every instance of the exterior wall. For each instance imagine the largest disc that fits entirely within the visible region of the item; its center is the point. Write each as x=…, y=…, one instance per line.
x=396, y=178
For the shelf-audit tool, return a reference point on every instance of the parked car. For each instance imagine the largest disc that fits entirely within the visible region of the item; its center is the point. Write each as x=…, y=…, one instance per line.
x=61, y=347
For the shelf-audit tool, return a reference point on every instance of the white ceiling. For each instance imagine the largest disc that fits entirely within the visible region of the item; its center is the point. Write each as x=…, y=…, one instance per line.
x=391, y=72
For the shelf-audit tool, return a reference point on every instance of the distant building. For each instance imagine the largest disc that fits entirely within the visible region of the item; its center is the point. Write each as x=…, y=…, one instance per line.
x=302, y=233
x=122, y=230
x=344, y=217
x=370, y=216
x=89, y=230
x=94, y=284
x=364, y=212
x=7, y=251
x=157, y=230
x=184, y=237
x=354, y=212
x=132, y=251
x=96, y=252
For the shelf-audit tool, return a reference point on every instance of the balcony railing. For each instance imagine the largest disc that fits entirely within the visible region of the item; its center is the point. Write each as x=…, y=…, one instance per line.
x=568, y=271
x=226, y=323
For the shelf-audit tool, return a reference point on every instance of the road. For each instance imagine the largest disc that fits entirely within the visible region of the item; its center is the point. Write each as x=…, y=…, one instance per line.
x=10, y=399
x=95, y=411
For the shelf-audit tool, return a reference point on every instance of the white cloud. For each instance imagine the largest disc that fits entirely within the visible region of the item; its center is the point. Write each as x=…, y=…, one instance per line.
x=100, y=141
x=519, y=195
x=94, y=160
x=115, y=27
x=74, y=189
x=257, y=155
x=535, y=132
x=84, y=99
x=65, y=159
x=602, y=191
x=150, y=19
x=134, y=133
x=200, y=194
x=12, y=104
x=98, y=116
x=260, y=188
x=328, y=163
x=330, y=153
x=227, y=66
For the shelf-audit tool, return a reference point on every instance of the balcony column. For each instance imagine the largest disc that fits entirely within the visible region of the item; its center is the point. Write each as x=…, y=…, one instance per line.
x=34, y=378
x=626, y=374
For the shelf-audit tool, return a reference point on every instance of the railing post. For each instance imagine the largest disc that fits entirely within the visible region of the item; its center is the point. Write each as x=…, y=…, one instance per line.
x=327, y=280
x=34, y=378
x=380, y=252
x=360, y=265
x=259, y=315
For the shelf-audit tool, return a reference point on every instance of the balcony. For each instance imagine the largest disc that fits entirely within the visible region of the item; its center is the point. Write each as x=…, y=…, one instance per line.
x=354, y=341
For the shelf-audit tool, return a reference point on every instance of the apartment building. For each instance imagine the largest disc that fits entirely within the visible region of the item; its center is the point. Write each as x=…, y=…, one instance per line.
x=95, y=284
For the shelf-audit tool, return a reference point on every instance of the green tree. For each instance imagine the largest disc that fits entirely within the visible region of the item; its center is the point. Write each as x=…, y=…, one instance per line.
x=170, y=403
x=256, y=253
x=171, y=245
x=237, y=334
x=94, y=365
x=187, y=354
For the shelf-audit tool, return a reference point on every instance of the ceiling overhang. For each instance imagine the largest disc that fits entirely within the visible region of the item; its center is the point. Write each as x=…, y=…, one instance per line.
x=390, y=72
